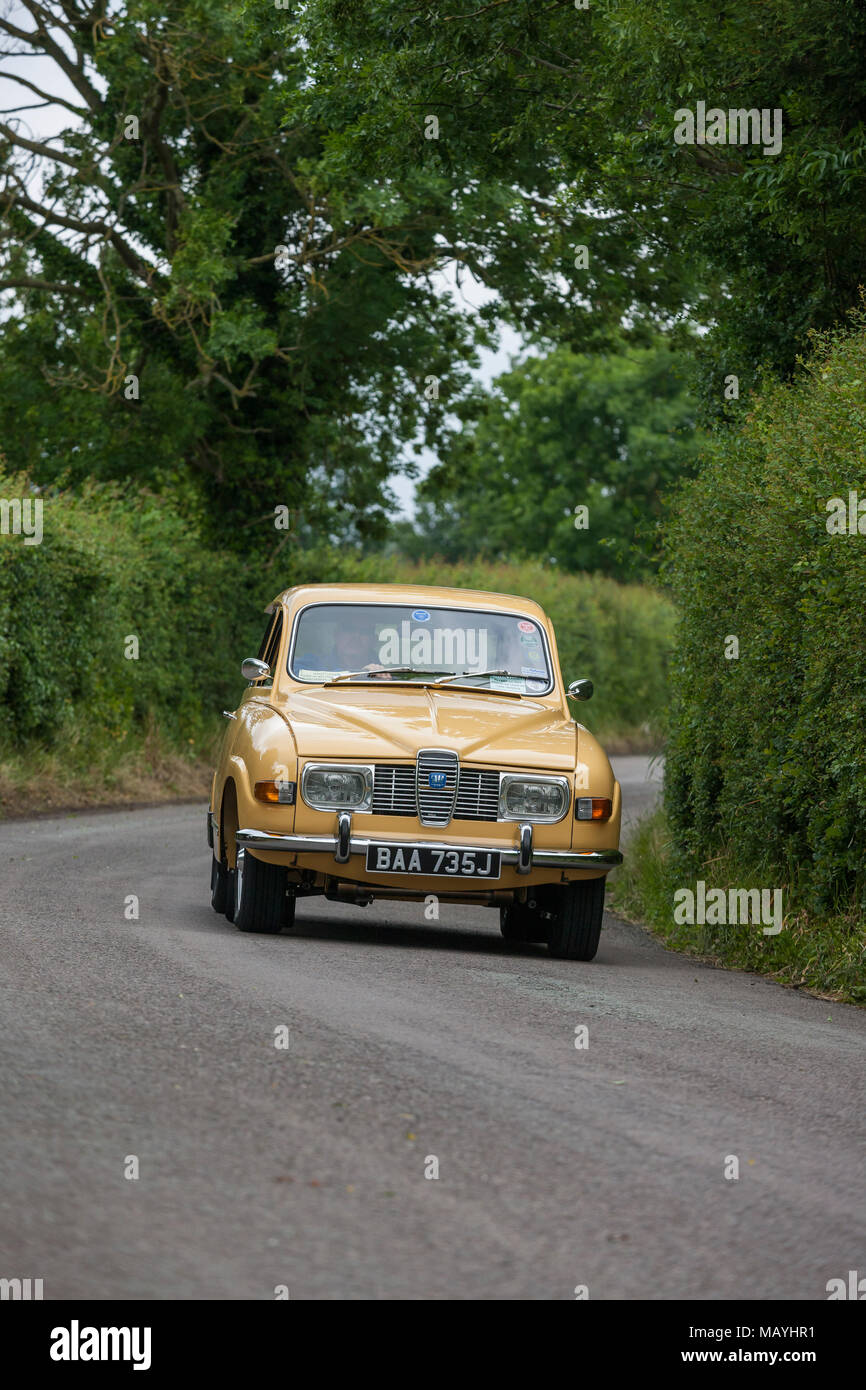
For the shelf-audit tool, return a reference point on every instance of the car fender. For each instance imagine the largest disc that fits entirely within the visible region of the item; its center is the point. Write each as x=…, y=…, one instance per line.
x=594, y=776
x=261, y=749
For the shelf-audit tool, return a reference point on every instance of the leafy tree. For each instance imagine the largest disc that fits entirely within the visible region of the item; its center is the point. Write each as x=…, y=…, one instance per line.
x=454, y=109
x=557, y=435
x=183, y=303
x=140, y=241
x=760, y=247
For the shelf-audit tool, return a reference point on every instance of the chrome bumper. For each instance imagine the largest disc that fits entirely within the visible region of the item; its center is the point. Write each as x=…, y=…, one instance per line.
x=525, y=857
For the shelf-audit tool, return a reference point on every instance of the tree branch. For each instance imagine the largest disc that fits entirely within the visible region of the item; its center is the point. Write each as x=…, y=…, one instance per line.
x=37, y=147
x=57, y=101
x=141, y=268
x=50, y=46
x=26, y=282
x=40, y=14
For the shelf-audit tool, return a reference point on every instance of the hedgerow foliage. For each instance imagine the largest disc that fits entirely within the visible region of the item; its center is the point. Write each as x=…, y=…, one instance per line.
x=767, y=751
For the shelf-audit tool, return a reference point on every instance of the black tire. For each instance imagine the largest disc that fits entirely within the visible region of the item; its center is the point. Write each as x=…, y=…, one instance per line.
x=219, y=885
x=510, y=924
x=576, y=926
x=259, y=895
x=289, y=911
x=520, y=923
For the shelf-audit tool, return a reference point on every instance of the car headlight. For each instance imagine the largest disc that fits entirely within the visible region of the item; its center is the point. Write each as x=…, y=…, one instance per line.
x=333, y=788
x=532, y=798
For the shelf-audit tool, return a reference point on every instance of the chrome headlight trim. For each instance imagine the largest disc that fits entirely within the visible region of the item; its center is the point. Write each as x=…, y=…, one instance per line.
x=366, y=771
x=506, y=779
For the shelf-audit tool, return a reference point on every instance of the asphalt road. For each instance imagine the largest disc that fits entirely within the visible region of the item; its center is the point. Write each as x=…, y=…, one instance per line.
x=408, y=1040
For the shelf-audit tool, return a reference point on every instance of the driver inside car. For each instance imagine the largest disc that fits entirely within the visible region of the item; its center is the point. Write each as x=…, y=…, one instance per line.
x=352, y=647
x=348, y=653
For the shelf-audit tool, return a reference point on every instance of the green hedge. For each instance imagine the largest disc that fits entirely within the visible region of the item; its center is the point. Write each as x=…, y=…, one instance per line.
x=113, y=565
x=825, y=953
x=766, y=762
x=116, y=563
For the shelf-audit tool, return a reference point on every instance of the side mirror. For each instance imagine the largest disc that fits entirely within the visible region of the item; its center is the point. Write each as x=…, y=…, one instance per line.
x=580, y=690
x=254, y=670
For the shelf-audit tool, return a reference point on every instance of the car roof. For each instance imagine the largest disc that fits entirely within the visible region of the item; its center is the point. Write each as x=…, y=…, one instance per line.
x=419, y=594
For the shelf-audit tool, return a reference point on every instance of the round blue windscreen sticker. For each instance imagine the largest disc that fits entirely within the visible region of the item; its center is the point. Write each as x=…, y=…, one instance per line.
x=420, y=615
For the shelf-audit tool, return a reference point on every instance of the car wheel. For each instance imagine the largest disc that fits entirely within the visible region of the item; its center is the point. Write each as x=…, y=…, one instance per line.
x=576, y=925
x=289, y=911
x=219, y=885
x=259, y=895
x=520, y=923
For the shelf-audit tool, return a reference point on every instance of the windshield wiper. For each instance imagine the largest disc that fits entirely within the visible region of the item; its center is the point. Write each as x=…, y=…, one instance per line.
x=389, y=671
x=477, y=675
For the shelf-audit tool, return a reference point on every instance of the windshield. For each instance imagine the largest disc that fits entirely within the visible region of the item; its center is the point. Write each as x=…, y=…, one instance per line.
x=457, y=646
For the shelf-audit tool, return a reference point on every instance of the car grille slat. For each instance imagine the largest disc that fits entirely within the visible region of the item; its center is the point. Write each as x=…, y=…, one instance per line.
x=399, y=789
x=394, y=791
x=477, y=795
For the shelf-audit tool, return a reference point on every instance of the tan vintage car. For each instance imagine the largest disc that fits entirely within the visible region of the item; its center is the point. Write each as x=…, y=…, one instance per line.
x=402, y=742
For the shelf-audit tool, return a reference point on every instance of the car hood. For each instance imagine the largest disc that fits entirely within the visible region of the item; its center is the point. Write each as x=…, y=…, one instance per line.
x=366, y=724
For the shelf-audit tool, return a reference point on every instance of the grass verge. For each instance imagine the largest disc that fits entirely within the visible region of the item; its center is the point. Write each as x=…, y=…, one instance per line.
x=142, y=767
x=825, y=955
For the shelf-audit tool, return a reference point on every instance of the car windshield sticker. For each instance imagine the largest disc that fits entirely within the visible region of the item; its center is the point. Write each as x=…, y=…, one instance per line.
x=434, y=648
x=420, y=615
x=509, y=683
x=524, y=626
x=533, y=671
x=306, y=675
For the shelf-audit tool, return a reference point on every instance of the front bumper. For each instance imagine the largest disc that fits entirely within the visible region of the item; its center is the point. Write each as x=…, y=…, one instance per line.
x=342, y=847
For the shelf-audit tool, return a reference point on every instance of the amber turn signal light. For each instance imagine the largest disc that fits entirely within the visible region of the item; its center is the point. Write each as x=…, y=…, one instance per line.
x=276, y=793
x=593, y=808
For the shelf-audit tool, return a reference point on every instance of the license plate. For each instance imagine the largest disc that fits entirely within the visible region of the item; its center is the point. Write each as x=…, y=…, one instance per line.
x=414, y=859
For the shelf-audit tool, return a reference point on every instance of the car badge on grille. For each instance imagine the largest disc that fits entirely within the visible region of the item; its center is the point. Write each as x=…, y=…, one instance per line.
x=437, y=772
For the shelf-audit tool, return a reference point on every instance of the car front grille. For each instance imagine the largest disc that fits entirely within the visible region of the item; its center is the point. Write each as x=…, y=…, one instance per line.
x=436, y=803
x=398, y=787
